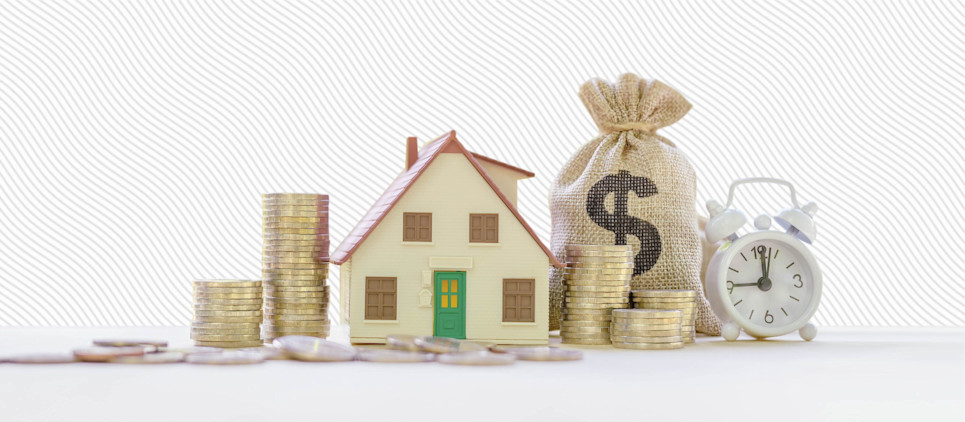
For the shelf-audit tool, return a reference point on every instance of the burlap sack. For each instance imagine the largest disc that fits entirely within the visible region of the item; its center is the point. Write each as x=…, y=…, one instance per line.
x=630, y=186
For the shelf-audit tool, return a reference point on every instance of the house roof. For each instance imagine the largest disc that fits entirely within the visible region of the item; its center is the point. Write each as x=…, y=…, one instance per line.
x=398, y=188
x=527, y=173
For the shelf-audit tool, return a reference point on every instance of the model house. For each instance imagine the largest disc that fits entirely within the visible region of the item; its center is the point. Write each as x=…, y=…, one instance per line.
x=445, y=252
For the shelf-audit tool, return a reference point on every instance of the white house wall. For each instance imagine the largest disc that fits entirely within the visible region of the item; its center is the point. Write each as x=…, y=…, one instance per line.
x=451, y=189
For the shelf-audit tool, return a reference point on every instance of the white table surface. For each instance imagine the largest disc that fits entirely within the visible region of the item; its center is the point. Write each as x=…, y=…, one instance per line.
x=845, y=374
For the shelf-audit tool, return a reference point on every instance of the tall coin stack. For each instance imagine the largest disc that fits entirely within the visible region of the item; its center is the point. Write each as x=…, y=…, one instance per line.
x=597, y=281
x=646, y=329
x=295, y=264
x=227, y=313
x=683, y=300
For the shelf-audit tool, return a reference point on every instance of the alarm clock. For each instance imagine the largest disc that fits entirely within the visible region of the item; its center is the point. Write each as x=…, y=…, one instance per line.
x=767, y=282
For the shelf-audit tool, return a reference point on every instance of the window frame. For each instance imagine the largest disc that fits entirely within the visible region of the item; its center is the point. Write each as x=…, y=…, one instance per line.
x=380, y=314
x=418, y=226
x=517, y=294
x=484, y=217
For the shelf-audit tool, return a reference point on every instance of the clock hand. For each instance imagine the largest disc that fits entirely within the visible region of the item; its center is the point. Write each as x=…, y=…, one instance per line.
x=743, y=284
x=767, y=270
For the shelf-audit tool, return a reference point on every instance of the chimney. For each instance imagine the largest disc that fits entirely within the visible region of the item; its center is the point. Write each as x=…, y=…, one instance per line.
x=411, y=151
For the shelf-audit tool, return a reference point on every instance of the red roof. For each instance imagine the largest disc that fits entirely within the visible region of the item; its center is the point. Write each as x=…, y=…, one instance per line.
x=428, y=153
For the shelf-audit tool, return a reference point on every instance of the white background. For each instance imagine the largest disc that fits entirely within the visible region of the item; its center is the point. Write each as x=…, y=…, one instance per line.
x=137, y=136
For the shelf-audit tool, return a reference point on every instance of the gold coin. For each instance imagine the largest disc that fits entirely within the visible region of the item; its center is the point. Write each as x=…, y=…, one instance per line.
x=605, y=265
x=645, y=333
x=281, y=332
x=293, y=195
x=573, y=305
x=324, y=323
x=582, y=318
x=156, y=344
x=309, y=310
x=104, y=354
x=593, y=312
x=227, y=313
x=314, y=349
x=315, y=249
x=599, y=253
x=228, y=344
x=313, y=213
x=628, y=260
x=227, y=290
x=595, y=283
x=273, y=262
x=608, y=289
x=212, y=319
x=226, y=308
x=666, y=293
x=270, y=266
x=289, y=237
x=646, y=313
x=598, y=271
x=586, y=341
x=617, y=248
x=620, y=326
x=669, y=300
x=227, y=283
x=228, y=302
x=644, y=321
x=210, y=296
x=226, y=337
x=297, y=283
x=225, y=332
x=293, y=299
x=321, y=270
x=319, y=227
x=281, y=291
x=225, y=325
x=629, y=339
x=602, y=335
x=273, y=317
x=151, y=358
x=649, y=346
x=611, y=295
x=275, y=232
x=605, y=300
x=313, y=219
x=283, y=255
x=297, y=203
x=599, y=324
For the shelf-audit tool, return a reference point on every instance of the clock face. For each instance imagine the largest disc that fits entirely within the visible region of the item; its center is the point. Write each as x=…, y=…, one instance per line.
x=770, y=284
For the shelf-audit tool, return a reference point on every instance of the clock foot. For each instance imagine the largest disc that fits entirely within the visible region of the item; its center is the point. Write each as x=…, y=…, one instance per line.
x=808, y=332
x=730, y=331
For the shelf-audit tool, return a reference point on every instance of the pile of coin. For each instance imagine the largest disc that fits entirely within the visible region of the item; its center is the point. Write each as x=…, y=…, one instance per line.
x=646, y=329
x=295, y=264
x=683, y=300
x=227, y=313
x=597, y=281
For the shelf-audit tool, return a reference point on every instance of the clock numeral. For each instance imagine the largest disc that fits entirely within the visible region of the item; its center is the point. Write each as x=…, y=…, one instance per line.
x=730, y=287
x=768, y=318
x=800, y=283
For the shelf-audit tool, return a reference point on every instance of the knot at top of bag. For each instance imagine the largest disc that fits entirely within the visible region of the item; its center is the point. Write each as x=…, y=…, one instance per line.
x=632, y=104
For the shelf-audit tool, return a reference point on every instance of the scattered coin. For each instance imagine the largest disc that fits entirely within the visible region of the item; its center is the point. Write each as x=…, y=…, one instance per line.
x=104, y=354
x=649, y=346
x=151, y=358
x=394, y=356
x=192, y=350
x=269, y=352
x=477, y=358
x=41, y=358
x=402, y=342
x=542, y=353
x=447, y=345
x=226, y=358
x=314, y=349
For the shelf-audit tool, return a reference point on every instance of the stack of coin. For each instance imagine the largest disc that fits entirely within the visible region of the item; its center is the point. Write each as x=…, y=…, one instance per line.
x=295, y=264
x=227, y=313
x=597, y=281
x=647, y=329
x=683, y=300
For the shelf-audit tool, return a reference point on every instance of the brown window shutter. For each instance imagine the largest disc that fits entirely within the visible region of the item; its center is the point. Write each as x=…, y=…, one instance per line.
x=416, y=227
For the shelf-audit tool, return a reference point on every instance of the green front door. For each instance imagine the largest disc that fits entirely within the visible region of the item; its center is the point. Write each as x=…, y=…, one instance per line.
x=450, y=305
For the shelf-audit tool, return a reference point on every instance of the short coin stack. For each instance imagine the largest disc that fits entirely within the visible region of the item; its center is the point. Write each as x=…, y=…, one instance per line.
x=227, y=313
x=683, y=300
x=295, y=264
x=646, y=329
x=597, y=280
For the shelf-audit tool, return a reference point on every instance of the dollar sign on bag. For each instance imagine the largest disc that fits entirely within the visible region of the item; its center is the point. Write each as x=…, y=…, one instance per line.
x=619, y=221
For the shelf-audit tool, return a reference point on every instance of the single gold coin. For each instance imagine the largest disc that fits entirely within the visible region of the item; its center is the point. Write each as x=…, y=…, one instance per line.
x=274, y=317
x=600, y=324
x=646, y=321
x=649, y=346
x=314, y=349
x=644, y=333
x=596, y=295
x=289, y=255
x=666, y=293
x=602, y=335
x=586, y=341
x=227, y=358
x=619, y=299
x=226, y=337
x=594, y=289
x=216, y=296
x=253, y=313
x=227, y=283
x=104, y=354
x=225, y=319
x=616, y=248
x=274, y=291
x=646, y=313
x=607, y=265
x=619, y=326
x=228, y=344
x=253, y=303
x=574, y=305
x=151, y=358
x=324, y=323
x=313, y=219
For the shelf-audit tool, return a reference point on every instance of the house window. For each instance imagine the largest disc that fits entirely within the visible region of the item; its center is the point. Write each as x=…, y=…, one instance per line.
x=417, y=227
x=484, y=228
x=519, y=300
x=380, y=293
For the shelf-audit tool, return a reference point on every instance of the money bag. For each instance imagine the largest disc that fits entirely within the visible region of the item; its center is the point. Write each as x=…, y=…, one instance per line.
x=631, y=186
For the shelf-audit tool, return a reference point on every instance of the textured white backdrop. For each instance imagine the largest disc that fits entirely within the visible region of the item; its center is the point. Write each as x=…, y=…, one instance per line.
x=137, y=136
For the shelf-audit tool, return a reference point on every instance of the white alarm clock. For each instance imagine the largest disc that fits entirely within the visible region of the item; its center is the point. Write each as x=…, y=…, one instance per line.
x=767, y=283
